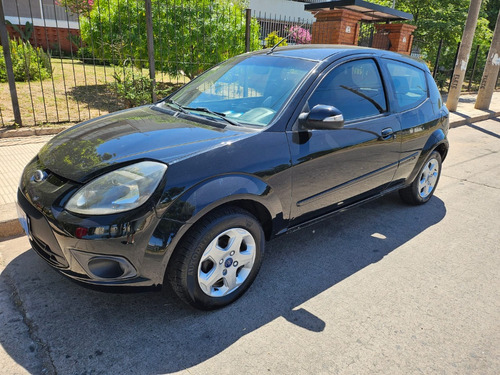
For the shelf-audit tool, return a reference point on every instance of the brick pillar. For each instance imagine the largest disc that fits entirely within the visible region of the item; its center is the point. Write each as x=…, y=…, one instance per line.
x=336, y=26
x=396, y=37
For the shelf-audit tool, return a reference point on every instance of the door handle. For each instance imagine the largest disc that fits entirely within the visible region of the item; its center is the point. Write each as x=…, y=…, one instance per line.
x=387, y=134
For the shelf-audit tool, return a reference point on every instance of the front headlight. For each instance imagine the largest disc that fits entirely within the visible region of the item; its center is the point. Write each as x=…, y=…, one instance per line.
x=117, y=191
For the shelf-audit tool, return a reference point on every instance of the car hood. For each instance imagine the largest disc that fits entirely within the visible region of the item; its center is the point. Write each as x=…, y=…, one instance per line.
x=92, y=147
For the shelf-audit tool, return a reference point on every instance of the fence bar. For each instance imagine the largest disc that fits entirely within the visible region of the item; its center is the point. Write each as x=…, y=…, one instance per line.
x=4, y=38
x=71, y=40
x=151, y=50
x=39, y=68
x=62, y=65
x=83, y=66
x=52, y=75
x=26, y=66
x=436, y=64
x=247, y=29
x=473, y=68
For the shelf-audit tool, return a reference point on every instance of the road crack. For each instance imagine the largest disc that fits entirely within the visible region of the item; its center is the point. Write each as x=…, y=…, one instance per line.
x=489, y=153
x=472, y=182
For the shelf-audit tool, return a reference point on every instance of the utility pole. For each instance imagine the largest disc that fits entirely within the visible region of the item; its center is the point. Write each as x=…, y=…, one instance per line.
x=151, y=49
x=490, y=70
x=457, y=79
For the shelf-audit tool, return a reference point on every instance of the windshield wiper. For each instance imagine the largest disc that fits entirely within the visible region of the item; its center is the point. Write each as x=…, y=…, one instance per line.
x=354, y=91
x=178, y=106
x=220, y=115
x=183, y=109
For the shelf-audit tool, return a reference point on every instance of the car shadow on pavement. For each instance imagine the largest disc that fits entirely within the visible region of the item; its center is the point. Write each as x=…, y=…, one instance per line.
x=87, y=331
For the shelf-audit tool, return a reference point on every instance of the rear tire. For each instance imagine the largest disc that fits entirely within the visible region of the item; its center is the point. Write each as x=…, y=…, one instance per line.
x=218, y=259
x=424, y=185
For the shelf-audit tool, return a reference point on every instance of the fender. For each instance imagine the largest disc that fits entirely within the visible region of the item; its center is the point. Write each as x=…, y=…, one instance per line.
x=436, y=140
x=202, y=198
x=211, y=193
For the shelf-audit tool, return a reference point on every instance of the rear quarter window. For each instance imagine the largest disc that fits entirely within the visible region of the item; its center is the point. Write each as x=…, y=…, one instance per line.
x=409, y=84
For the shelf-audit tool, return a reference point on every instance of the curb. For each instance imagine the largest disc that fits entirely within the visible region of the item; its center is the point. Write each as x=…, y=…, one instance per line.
x=466, y=120
x=10, y=228
x=9, y=224
x=27, y=132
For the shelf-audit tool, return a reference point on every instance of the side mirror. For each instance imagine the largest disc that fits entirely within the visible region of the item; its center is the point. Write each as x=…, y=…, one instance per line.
x=322, y=117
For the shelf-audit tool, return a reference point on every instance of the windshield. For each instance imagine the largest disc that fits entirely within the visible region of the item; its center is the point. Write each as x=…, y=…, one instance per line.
x=249, y=91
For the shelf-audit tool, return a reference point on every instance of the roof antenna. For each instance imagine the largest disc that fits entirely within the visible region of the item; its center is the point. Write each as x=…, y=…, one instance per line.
x=286, y=37
x=277, y=44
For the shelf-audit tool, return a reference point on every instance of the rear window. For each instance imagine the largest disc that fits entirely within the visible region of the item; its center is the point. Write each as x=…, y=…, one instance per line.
x=409, y=84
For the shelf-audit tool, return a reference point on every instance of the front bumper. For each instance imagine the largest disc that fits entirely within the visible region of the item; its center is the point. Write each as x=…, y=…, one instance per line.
x=120, y=257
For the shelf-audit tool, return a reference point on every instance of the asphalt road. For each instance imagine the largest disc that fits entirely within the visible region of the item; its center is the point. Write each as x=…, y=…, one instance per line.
x=385, y=288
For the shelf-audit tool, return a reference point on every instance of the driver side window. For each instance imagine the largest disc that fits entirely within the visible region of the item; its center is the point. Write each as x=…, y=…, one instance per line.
x=355, y=88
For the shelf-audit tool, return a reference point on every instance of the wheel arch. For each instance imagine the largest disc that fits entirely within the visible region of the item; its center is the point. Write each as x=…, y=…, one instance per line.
x=442, y=148
x=178, y=231
x=436, y=142
x=247, y=192
x=249, y=204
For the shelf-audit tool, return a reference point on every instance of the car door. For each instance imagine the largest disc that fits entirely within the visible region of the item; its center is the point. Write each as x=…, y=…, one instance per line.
x=418, y=115
x=335, y=167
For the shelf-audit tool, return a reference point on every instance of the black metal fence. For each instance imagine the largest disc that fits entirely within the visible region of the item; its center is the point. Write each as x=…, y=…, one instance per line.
x=276, y=23
x=78, y=59
x=443, y=70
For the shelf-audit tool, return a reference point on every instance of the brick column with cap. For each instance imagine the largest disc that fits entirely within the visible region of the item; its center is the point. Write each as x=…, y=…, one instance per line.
x=398, y=36
x=336, y=26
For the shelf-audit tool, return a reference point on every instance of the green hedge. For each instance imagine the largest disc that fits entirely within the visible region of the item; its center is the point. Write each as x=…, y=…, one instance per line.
x=28, y=62
x=190, y=36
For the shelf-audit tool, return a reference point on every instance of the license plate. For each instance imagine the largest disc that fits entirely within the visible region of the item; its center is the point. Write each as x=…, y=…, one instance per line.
x=24, y=220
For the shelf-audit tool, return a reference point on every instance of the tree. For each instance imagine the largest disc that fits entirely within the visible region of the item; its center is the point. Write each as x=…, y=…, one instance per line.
x=76, y=6
x=491, y=9
x=190, y=36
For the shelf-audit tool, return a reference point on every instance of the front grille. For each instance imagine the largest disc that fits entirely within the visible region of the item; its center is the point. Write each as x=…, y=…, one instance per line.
x=41, y=235
x=46, y=253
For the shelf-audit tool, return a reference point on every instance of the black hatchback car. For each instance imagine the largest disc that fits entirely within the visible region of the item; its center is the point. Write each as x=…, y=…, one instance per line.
x=188, y=190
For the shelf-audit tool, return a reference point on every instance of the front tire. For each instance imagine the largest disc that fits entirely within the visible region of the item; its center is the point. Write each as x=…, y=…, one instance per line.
x=218, y=259
x=424, y=185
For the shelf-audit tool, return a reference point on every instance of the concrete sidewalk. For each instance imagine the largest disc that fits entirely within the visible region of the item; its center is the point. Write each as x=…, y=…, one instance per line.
x=17, y=147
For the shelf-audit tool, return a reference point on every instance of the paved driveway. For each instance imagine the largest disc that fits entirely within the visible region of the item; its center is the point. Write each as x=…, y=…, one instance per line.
x=384, y=288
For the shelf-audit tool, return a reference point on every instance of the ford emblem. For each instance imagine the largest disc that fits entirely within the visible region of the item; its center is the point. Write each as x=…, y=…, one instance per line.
x=39, y=176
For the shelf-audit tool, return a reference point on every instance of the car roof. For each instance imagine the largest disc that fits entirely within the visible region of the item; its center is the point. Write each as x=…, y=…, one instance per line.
x=317, y=52
x=323, y=52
